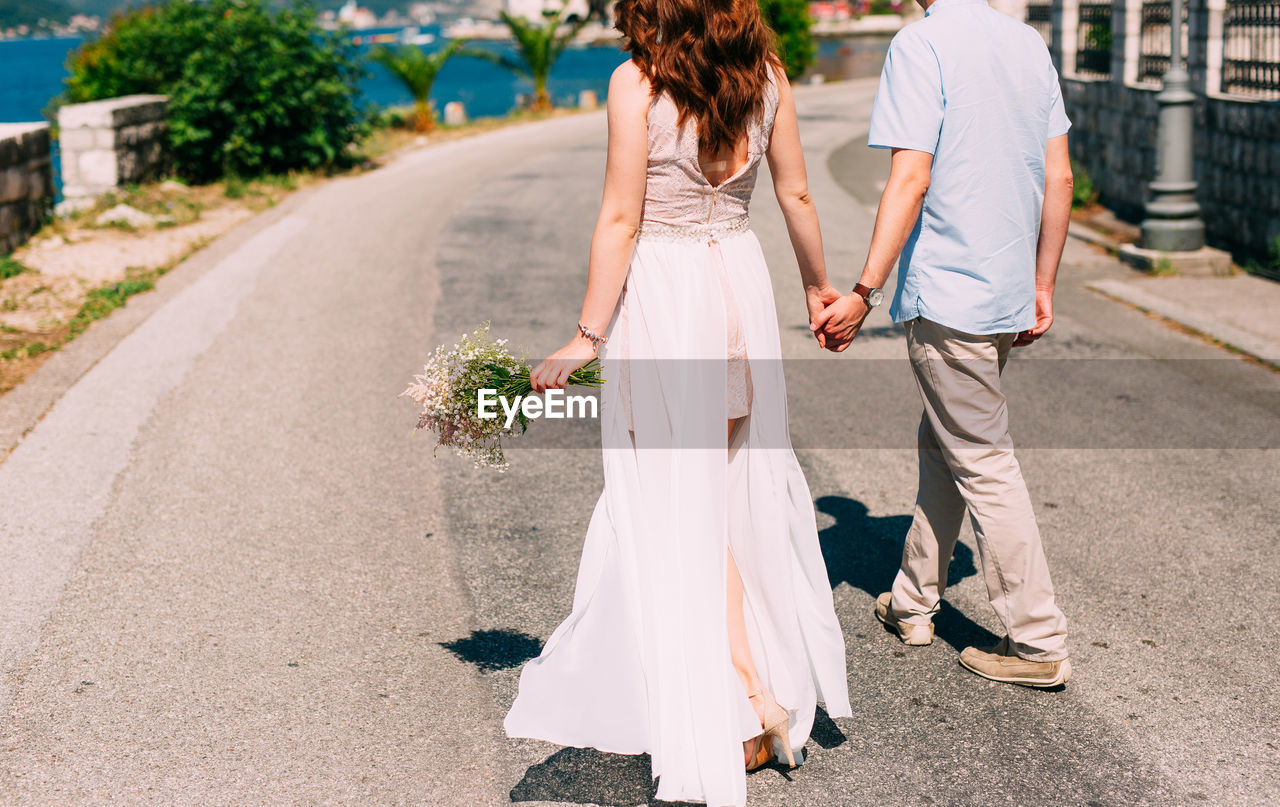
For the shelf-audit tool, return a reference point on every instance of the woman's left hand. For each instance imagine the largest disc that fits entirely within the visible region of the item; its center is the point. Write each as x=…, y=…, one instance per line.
x=553, y=372
x=817, y=298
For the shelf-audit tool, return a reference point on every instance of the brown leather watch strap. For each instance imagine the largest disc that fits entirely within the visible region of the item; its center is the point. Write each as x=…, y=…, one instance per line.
x=863, y=291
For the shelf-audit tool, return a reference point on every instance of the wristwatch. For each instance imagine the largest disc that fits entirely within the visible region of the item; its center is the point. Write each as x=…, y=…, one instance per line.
x=873, y=296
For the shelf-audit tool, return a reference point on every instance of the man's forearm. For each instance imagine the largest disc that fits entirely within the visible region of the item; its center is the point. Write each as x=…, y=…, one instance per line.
x=1055, y=215
x=1055, y=211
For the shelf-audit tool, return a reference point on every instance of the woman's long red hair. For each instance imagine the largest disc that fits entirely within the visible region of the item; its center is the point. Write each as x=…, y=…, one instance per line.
x=712, y=57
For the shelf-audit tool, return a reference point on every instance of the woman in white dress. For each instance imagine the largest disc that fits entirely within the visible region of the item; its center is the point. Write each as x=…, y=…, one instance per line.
x=702, y=629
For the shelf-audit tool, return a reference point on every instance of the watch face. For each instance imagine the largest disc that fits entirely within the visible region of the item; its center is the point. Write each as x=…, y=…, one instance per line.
x=875, y=298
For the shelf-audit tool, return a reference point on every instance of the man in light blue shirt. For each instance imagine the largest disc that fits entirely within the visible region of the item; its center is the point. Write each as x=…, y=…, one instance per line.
x=975, y=212
x=968, y=261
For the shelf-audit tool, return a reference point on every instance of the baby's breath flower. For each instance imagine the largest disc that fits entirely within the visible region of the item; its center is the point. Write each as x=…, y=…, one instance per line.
x=448, y=388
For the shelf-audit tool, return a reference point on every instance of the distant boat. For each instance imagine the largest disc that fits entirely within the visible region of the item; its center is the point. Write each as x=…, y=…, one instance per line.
x=416, y=36
x=468, y=28
x=375, y=39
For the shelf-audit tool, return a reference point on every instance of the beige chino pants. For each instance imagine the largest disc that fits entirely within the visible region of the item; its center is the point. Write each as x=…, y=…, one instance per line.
x=967, y=465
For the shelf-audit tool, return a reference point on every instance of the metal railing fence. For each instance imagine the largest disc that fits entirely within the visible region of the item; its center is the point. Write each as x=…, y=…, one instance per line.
x=1153, y=48
x=1039, y=17
x=1093, y=40
x=1251, y=48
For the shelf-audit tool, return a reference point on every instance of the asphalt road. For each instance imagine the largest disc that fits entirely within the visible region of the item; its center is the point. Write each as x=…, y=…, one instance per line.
x=233, y=577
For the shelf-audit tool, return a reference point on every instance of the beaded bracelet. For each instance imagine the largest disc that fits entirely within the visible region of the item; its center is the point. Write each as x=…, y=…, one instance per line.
x=596, y=339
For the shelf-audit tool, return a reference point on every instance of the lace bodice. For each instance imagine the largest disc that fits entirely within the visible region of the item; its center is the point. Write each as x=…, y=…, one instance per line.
x=677, y=192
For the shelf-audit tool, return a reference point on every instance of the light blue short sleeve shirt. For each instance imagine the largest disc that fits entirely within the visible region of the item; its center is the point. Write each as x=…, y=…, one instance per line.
x=976, y=89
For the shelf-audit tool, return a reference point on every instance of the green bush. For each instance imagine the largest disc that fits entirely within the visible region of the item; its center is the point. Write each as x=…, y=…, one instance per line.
x=1266, y=267
x=790, y=20
x=1083, y=192
x=251, y=90
x=143, y=51
x=395, y=117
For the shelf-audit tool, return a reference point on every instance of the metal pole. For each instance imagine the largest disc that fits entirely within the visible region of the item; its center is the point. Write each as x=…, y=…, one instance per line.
x=1173, y=222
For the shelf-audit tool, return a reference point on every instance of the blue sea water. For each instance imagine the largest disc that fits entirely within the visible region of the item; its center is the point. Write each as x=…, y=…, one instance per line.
x=32, y=70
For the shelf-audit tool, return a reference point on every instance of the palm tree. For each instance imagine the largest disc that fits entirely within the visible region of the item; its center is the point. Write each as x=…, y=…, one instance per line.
x=417, y=70
x=539, y=46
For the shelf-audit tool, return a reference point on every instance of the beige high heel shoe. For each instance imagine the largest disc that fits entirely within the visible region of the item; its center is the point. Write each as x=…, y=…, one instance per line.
x=776, y=730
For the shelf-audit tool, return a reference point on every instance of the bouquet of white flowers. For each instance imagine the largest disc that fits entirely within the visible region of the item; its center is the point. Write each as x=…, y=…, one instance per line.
x=448, y=390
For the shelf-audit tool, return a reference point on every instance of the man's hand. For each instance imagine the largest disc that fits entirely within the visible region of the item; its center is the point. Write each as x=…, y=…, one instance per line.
x=817, y=298
x=1044, y=319
x=840, y=322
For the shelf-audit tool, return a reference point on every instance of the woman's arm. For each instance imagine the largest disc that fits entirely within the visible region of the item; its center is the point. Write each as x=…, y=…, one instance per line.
x=791, y=185
x=616, y=228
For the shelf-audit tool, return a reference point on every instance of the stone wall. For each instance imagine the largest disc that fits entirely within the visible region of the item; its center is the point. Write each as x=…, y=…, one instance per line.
x=1236, y=139
x=26, y=181
x=109, y=143
x=1237, y=158
x=1113, y=137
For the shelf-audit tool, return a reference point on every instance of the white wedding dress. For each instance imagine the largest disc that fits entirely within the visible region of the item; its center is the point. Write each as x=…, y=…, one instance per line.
x=642, y=664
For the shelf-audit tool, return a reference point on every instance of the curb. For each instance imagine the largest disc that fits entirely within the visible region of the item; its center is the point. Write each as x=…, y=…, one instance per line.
x=1257, y=347
x=1087, y=234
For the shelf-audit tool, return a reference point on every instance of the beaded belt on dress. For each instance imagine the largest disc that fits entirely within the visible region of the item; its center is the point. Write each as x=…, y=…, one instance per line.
x=694, y=233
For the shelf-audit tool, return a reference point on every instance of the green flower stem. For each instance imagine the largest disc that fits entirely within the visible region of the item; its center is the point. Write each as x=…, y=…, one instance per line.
x=517, y=384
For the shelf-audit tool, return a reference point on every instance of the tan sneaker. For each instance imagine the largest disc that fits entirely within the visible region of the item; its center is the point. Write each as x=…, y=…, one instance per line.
x=914, y=635
x=999, y=663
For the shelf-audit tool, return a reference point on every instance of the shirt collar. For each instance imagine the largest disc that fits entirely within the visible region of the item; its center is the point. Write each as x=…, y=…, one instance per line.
x=937, y=4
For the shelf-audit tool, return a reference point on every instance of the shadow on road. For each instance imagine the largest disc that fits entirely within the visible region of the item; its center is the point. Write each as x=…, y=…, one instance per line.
x=865, y=551
x=588, y=776
x=825, y=731
x=494, y=649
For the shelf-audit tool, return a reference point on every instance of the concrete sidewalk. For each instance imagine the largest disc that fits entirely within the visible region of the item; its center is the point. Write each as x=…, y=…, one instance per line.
x=1241, y=312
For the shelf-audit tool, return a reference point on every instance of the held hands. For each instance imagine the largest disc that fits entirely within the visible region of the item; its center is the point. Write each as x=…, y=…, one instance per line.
x=818, y=298
x=1044, y=318
x=836, y=325
x=553, y=372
